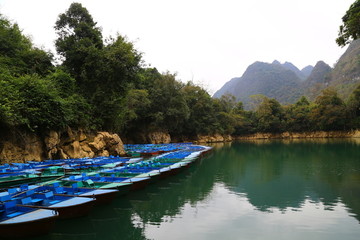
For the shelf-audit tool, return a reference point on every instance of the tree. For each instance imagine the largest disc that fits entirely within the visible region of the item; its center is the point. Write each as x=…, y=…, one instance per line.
x=350, y=29
x=78, y=38
x=354, y=108
x=18, y=56
x=298, y=116
x=329, y=112
x=202, y=118
x=270, y=116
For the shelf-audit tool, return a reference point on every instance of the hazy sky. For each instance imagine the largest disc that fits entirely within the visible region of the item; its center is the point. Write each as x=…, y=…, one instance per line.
x=207, y=41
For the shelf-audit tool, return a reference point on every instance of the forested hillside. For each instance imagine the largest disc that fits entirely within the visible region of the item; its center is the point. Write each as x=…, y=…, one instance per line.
x=272, y=80
x=103, y=84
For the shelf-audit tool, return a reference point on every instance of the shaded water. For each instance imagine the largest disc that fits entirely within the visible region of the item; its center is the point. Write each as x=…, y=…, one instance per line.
x=243, y=190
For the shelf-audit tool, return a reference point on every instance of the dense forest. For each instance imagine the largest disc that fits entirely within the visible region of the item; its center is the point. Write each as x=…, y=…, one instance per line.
x=103, y=84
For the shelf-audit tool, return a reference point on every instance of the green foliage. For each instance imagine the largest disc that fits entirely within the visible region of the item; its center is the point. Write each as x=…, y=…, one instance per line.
x=17, y=54
x=103, y=85
x=298, y=116
x=329, y=112
x=353, y=106
x=168, y=105
x=202, y=118
x=350, y=29
x=33, y=102
x=270, y=116
x=78, y=38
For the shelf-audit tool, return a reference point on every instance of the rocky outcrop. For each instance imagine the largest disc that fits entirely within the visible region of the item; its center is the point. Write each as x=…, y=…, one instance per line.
x=213, y=138
x=24, y=148
x=317, y=134
x=61, y=145
x=158, y=137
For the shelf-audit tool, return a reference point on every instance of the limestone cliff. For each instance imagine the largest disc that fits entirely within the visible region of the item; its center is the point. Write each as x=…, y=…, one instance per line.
x=213, y=138
x=60, y=145
x=318, y=134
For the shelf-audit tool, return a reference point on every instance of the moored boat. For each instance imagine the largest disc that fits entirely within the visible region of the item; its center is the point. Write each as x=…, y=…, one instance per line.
x=101, y=196
x=18, y=221
x=66, y=206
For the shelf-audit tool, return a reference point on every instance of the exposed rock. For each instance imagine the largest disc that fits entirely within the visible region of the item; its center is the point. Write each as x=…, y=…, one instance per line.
x=159, y=137
x=213, y=138
x=57, y=145
x=106, y=141
x=51, y=143
x=317, y=134
x=29, y=149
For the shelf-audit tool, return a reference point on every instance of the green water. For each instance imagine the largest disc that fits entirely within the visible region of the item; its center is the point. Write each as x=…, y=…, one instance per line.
x=244, y=190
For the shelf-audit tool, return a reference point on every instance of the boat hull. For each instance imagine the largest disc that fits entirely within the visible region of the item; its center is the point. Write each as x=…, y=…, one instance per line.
x=30, y=228
x=68, y=210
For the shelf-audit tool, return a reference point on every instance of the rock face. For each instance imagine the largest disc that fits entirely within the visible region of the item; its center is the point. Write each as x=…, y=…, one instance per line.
x=28, y=148
x=319, y=134
x=213, y=138
x=61, y=145
x=159, y=137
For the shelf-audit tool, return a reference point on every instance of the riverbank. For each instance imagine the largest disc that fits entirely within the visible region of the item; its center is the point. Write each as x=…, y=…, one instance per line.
x=27, y=146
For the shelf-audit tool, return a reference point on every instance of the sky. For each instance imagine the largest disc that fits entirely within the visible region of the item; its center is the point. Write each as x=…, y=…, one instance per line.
x=205, y=41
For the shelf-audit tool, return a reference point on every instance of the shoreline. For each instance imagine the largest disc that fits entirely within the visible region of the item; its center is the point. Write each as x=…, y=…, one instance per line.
x=285, y=135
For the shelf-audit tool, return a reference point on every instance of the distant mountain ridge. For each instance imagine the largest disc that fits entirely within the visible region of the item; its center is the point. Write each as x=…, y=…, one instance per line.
x=286, y=83
x=274, y=80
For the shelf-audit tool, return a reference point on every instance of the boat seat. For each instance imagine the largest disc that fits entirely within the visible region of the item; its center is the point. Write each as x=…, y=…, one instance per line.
x=11, y=210
x=56, y=184
x=26, y=201
x=24, y=187
x=75, y=187
x=49, y=194
x=5, y=198
x=50, y=198
x=90, y=182
x=13, y=214
x=59, y=190
x=37, y=201
x=30, y=192
x=12, y=191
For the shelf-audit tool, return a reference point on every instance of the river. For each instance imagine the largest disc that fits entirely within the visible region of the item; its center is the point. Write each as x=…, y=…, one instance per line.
x=300, y=189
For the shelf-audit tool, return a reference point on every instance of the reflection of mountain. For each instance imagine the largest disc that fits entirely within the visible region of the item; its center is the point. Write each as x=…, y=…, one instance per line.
x=281, y=175
x=271, y=176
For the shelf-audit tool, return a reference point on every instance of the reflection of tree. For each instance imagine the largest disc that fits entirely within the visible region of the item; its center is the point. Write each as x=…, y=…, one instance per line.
x=272, y=174
x=166, y=198
x=278, y=174
x=114, y=222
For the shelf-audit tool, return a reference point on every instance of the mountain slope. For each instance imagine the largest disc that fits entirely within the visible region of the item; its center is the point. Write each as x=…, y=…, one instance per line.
x=272, y=80
x=346, y=75
x=227, y=88
x=318, y=80
x=286, y=83
x=306, y=71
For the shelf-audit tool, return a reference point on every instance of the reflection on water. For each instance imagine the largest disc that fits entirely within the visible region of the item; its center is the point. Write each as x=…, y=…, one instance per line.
x=245, y=190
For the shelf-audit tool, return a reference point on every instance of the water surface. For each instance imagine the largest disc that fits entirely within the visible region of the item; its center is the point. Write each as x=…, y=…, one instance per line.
x=243, y=190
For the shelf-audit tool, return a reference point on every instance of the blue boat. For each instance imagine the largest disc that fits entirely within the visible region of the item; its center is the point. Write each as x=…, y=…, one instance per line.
x=136, y=182
x=102, y=196
x=19, y=221
x=66, y=206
